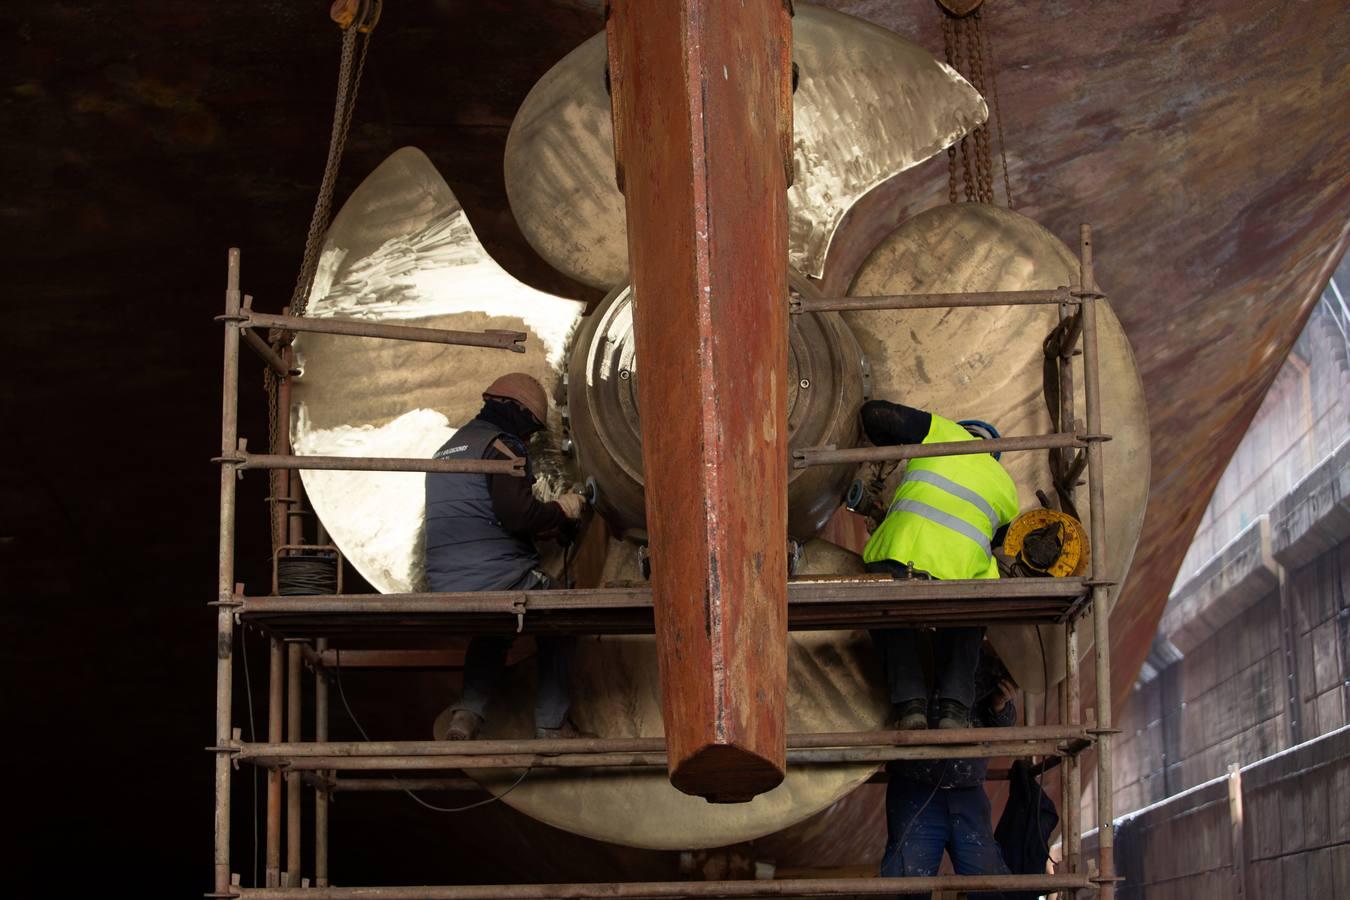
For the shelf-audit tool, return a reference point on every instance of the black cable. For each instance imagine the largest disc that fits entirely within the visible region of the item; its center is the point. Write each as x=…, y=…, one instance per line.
x=337, y=672
x=305, y=575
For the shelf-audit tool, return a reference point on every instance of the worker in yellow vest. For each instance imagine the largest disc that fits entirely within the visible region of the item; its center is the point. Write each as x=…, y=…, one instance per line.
x=948, y=514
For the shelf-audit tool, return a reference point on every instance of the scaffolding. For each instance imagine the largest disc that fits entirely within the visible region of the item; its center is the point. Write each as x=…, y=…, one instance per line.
x=300, y=629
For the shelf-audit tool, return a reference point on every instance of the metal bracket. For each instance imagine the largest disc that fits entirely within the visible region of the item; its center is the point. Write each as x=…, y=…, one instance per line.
x=519, y=608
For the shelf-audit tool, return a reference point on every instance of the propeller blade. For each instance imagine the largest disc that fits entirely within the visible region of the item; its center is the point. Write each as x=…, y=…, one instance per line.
x=832, y=686
x=869, y=105
x=402, y=250
x=986, y=363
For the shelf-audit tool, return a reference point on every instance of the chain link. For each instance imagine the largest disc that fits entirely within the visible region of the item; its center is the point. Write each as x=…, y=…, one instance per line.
x=966, y=45
x=351, y=67
x=949, y=44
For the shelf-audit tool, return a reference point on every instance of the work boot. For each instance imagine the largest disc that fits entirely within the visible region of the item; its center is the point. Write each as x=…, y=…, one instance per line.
x=464, y=725
x=913, y=715
x=568, y=729
x=953, y=714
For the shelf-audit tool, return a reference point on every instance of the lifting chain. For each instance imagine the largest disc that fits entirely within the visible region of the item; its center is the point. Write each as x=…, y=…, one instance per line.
x=967, y=47
x=357, y=18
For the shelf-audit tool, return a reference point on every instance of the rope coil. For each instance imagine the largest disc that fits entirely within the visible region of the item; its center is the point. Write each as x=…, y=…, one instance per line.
x=306, y=575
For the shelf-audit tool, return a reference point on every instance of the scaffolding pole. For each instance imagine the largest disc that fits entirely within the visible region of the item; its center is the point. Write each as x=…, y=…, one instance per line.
x=838, y=603
x=294, y=665
x=276, y=698
x=321, y=793
x=1101, y=594
x=229, y=439
x=1059, y=295
x=830, y=456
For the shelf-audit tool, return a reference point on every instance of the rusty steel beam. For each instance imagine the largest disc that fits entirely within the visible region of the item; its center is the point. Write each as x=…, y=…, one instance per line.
x=702, y=103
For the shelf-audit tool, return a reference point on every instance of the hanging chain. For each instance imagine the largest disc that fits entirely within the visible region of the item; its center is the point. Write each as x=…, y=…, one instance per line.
x=274, y=482
x=351, y=67
x=949, y=45
x=984, y=188
x=967, y=46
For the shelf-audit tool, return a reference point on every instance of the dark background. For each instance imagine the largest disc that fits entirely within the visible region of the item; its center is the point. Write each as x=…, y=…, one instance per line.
x=139, y=141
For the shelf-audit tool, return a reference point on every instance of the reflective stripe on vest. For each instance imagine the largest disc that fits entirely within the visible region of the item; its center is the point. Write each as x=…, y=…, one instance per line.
x=947, y=520
x=945, y=508
x=959, y=491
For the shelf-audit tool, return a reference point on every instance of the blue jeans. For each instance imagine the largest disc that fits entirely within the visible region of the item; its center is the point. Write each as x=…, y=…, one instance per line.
x=485, y=662
x=956, y=820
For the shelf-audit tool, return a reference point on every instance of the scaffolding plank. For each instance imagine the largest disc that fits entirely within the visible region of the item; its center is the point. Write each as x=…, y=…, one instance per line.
x=660, y=890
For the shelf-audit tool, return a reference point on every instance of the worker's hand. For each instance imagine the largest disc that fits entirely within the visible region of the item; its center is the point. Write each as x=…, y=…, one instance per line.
x=573, y=505
x=1006, y=691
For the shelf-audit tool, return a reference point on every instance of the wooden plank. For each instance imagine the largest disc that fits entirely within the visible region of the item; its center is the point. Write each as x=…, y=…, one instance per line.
x=1292, y=820
x=1326, y=658
x=700, y=92
x=1340, y=871
x=1294, y=877
x=1314, y=785
x=1331, y=710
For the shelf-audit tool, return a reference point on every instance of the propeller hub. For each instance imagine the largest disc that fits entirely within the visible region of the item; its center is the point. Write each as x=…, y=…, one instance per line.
x=824, y=390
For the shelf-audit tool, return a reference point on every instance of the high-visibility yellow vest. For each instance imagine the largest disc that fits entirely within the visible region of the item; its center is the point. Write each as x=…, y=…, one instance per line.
x=946, y=511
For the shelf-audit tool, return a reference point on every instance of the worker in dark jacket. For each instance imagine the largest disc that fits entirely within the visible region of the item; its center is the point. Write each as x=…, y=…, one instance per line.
x=934, y=805
x=945, y=519
x=480, y=537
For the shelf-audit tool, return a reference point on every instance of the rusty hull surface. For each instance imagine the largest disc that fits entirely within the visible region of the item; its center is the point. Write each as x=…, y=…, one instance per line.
x=699, y=89
x=1204, y=144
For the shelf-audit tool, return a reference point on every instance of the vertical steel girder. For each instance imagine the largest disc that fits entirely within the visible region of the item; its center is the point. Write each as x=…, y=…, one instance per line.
x=702, y=104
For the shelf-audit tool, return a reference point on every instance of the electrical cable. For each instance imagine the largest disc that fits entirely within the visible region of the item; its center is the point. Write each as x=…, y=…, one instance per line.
x=337, y=672
x=306, y=575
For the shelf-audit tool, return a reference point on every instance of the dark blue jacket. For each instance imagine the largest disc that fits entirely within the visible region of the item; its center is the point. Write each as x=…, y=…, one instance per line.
x=468, y=549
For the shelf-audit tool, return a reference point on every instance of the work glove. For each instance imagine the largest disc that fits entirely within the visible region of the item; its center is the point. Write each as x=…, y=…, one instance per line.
x=573, y=505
